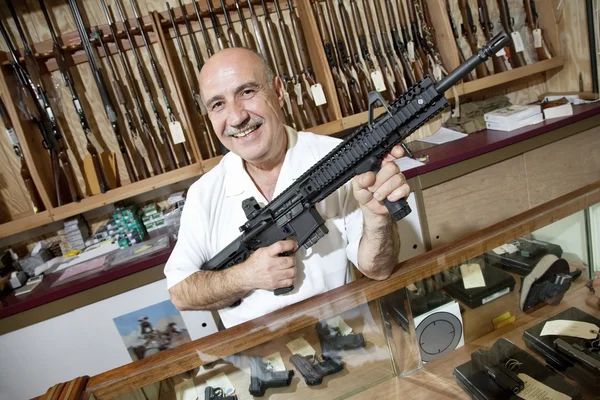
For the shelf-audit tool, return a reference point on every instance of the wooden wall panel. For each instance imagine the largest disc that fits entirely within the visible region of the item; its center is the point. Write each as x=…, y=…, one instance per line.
x=563, y=166
x=475, y=201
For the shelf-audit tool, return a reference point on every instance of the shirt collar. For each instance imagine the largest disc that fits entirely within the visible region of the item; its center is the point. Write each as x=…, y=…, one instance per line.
x=237, y=180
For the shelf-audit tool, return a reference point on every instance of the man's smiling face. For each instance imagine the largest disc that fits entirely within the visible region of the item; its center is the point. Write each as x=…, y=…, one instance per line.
x=243, y=106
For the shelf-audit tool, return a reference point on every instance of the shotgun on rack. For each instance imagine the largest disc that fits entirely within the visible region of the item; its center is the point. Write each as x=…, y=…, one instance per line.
x=174, y=125
x=469, y=29
x=209, y=47
x=487, y=27
x=149, y=145
x=205, y=124
x=533, y=23
x=461, y=55
x=53, y=137
x=36, y=202
x=234, y=39
x=111, y=111
x=259, y=34
x=68, y=80
x=142, y=154
x=248, y=38
x=215, y=23
x=293, y=212
x=409, y=43
x=399, y=46
x=516, y=57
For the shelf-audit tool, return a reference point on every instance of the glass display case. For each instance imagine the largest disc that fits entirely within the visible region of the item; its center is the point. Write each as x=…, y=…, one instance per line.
x=501, y=313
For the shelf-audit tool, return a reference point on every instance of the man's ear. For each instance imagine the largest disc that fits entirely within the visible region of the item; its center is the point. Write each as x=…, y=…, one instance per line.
x=279, y=89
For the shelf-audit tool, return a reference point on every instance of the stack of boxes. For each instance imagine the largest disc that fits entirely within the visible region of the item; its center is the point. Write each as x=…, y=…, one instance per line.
x=126, y=226
x=152, y=217
x=76, y=232
x=513, y=117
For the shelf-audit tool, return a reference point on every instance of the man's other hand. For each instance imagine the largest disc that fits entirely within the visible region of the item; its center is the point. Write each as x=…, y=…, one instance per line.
x=370, y=189
x=266, y=269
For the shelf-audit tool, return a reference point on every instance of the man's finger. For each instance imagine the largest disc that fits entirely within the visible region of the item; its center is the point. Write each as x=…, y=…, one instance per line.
x=388, y=187
x=399, y=193
x=363, y=181
x=282, y=246
x=396, y=152
x=385, y=173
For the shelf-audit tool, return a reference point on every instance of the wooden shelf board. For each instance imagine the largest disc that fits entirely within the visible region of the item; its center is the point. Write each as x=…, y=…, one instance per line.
x=23, y=224
x=125, y=192
x=462, y=89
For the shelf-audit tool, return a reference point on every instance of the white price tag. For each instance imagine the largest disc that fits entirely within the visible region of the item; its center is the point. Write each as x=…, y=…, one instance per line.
x=499, y=250
x=510, y=248
x=301, y=346
x=562, y=327
x=518, y=41
x=288, y=104
x=378, y=81
x=139, y=145
x=472, y=276
x=223, y=382
x=338, y=322
x=298, y=91
x=537, y=38
x=13, y=137
x=318, y=95
x=536, y=390
x=354, y=74
x=410, y=47
x=275, y=361
x=437, y=72
x=501, y=53
x=176, y=132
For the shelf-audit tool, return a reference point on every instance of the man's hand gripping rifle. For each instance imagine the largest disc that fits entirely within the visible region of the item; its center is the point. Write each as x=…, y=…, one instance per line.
x=293, y=212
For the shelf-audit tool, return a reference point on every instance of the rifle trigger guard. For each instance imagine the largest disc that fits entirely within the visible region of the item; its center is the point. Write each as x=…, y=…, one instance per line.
x=375, y=97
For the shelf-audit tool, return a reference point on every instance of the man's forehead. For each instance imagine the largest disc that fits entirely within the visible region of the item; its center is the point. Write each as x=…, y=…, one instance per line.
x=232, y=69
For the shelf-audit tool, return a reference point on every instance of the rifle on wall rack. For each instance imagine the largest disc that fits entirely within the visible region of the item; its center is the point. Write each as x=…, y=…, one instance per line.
x=189, y=77
x=261, y=39
x=487, y=27
x=293, y=212
x=234, y=38
x=215, y=23
x=111, y=111
x=36, y=203
x=38, y=106
x=532, y=18
x=209, y=47
x=170, y=163
x=174, y=125
x=248, y=38
x=61, y=62
x=141, y=153
x=149, y=145
x=399, y=46
x=469, y=29
x=516, y=57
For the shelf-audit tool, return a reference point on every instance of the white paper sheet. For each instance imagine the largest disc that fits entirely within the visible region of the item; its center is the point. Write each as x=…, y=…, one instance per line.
x=406, y=163
x=444, y=135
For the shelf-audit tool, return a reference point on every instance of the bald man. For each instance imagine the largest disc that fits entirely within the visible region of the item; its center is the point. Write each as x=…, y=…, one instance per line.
x=244, y=101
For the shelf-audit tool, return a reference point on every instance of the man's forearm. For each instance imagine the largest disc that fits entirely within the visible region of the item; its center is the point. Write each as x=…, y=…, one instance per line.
x=209, y=290
x=379, y=246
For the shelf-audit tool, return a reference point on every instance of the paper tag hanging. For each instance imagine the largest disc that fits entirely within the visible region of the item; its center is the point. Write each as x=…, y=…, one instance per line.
x=518, y=41
x=139, y=145
x=378, y=81
x=501, y=53
x=410, y=47
x=301, y=346
x=176, y=132
x=472, y=276
x=339, y=323
x=354, y=74
x=437, y=72
x=298, y=91
x=561, y=327
x=13, y=137
x=275, y=361
x=537, y=38
x=288, y=104
x=536, y=390
x=223, y=382
x=318, y=95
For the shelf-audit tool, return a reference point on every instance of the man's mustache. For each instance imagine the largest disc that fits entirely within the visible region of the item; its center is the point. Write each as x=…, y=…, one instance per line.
x=252, y=123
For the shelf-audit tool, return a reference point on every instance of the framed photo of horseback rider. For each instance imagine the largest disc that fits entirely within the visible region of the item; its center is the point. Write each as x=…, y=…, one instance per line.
x=152, y=329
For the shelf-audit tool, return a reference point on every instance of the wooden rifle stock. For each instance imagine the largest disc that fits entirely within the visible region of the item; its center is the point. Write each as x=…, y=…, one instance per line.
x=221, y=42
x=248, y=38
x=543, y=52
x=516, y=58
x=469, y=33
x=416, y=66
x=330, y=53
x=234, y=39
x=487, y=26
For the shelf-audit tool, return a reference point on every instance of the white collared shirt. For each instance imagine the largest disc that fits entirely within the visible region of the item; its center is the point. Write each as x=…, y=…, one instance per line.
x=213, y=214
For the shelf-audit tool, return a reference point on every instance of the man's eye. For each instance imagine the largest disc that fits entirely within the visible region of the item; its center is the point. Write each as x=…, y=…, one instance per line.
x=217, y=105
x=248, y=92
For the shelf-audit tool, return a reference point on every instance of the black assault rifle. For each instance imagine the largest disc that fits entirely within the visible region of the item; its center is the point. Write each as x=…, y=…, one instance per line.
x=293, y=212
